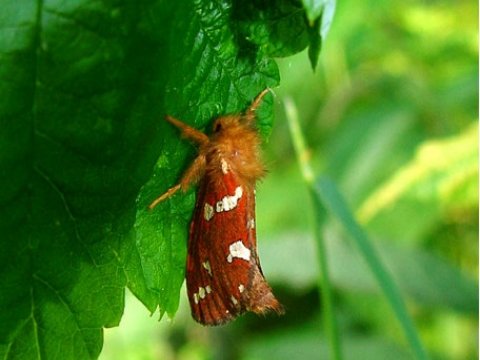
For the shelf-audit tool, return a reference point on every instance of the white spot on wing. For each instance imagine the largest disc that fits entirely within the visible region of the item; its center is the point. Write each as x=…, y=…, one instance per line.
x=229, y=202
x=238, y=192
x=201, y=292
x=206, y=266
x=241, y=288
x=238, y=250
x=234, y=300
x=208, y=211
x=251, y=224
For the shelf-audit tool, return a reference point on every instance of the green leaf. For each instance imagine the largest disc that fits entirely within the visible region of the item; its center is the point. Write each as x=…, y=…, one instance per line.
x=72, y=163
x=314, y=8
x=315, y=42
x=84, y=87
x=283, y=27
x=320, y=14
x=277, y=27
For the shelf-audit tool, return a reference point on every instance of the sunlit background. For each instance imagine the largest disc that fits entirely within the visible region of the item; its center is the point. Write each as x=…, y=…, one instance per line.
x=391, y=116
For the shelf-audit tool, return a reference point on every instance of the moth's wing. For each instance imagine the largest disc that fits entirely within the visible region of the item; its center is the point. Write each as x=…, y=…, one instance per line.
x=205, y=288
x=258, y=296
x=224, y=277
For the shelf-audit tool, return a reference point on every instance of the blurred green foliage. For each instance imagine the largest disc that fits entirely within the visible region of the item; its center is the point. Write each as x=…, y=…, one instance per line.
x=391, y=115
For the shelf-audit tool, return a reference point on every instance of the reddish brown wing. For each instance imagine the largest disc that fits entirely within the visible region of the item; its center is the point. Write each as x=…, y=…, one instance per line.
x=224, y=277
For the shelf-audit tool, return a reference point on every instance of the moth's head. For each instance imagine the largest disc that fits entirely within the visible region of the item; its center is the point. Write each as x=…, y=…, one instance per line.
x=229, y=124
x=232, y=124
x=236, y=143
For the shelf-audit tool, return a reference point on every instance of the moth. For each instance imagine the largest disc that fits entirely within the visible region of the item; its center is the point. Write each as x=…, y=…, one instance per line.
x=223, y=273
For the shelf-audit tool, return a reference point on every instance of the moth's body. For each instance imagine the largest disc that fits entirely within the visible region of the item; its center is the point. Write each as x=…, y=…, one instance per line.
x=234, y=148
x=224, y=277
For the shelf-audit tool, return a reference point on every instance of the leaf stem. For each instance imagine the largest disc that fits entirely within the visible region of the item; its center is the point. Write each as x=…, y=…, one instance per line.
x=325, y=288
x=335, y=204
x=303, y=155
x=326, y=197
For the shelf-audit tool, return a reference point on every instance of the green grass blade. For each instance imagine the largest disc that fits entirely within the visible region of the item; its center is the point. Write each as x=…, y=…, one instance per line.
x=326, y=198
x=324, y=279
x=320, y=215
x=328, y=194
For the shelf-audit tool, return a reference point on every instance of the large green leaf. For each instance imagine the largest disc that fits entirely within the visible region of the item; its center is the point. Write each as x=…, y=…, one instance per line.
x=73, y=157
x=84, y=87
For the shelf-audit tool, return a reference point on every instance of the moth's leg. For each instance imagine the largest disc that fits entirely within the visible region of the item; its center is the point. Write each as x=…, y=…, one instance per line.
x=191, y=176
x=250, y=113
x=164, y=196
x=194, y=172
x=188, y=131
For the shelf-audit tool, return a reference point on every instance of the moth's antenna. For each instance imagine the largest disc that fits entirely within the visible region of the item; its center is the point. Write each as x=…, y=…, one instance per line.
x=250, y=113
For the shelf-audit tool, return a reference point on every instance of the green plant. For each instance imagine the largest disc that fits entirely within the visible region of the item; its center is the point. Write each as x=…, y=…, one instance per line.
x=84, y=86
